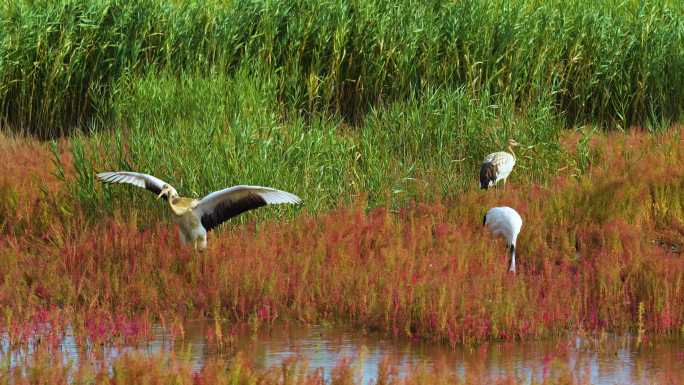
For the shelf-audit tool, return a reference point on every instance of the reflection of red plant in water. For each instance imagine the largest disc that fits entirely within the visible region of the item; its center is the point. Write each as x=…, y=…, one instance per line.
x=161, y=368
x=546, y=362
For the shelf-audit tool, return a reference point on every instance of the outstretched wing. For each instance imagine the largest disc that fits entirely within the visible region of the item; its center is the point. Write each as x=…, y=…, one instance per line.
x=145, y=181
x=222, y=205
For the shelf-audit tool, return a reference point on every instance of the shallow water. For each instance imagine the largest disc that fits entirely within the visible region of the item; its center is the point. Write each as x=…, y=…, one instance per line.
x=611, y=360
x=615, y=360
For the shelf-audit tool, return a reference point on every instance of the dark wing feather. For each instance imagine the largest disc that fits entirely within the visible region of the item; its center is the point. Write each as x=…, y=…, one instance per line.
x=226, y=210
x=220, y=206
x=488, y=172
x=145, y=181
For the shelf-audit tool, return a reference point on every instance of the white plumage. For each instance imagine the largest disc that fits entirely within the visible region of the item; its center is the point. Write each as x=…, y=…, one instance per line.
x=197, y=217
x=504, y=222
x=497, y=166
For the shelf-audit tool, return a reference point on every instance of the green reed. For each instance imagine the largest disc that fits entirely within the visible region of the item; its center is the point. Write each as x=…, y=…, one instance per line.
x=611, y=62
x=202, y=133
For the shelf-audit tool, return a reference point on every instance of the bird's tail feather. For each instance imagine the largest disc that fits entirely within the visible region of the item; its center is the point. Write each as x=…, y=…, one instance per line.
x=487, y=174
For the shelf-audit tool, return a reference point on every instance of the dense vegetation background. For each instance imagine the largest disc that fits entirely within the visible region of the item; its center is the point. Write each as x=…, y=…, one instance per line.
x=618, y=62
x=378, y=114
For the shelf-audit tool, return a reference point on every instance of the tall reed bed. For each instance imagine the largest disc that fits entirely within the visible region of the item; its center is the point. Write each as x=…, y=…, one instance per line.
x=599, y=251
x=201, y=134
x=608, y=62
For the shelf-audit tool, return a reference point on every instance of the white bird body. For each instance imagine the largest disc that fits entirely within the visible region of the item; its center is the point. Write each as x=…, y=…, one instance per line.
x=497, y=166
x=504, y=222
x=196, y=217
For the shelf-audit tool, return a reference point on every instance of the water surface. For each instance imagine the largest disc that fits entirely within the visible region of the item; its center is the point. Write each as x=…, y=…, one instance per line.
x=610, y=360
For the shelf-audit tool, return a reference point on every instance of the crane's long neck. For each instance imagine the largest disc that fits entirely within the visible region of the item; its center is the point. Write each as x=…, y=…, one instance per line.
x=512, y=265
x=180, y=205
x=173, y=203
x=510, y=150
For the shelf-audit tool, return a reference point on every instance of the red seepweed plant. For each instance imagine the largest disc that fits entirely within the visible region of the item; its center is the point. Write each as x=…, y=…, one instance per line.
x=599, y=251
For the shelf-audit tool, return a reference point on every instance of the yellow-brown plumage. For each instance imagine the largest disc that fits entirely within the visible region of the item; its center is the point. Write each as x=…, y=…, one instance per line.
x=180, y=205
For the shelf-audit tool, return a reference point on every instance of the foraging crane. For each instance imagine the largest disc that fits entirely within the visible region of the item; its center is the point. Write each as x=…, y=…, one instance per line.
x=497, y=166
x=505, y=222
x=197, y=217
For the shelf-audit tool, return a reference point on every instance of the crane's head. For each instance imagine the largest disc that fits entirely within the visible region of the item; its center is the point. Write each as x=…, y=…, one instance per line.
x=168, y=191
x=513, y=143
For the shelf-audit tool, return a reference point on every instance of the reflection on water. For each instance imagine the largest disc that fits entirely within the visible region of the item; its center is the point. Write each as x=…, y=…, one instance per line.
x=610, y=361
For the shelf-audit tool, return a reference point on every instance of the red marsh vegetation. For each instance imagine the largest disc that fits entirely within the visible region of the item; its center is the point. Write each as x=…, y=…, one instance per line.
x=598, y=251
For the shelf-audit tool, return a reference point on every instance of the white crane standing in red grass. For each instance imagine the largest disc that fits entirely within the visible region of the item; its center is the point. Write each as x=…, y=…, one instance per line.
x=504, y=222
x=197, y=217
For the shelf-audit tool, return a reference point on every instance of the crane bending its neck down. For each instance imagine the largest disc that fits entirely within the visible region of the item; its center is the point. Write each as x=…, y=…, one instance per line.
x=504, y=222
x=512, y=263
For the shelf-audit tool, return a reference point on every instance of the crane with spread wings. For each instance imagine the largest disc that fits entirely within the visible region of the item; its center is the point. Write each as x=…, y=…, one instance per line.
x=198, y=216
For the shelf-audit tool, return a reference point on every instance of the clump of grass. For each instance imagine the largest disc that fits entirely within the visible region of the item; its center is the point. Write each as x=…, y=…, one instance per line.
x=613, y=62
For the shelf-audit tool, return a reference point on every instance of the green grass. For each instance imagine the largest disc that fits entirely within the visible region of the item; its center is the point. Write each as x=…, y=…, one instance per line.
x=204, y=133
x=616, y=63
